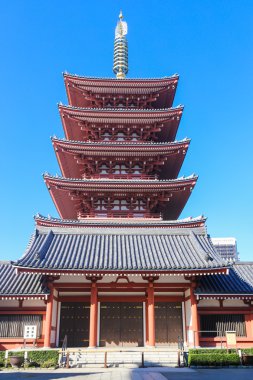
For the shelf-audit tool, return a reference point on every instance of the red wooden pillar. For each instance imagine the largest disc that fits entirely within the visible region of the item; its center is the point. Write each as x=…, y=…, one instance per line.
x=146, y=321
x=49, y=313
x=151, y=314
x=194, y=313
x=93, y=315
x=249, y=325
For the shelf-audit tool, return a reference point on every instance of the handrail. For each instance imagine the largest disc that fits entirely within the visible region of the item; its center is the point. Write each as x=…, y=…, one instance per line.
x=64, y=348
x=105, y=351
x=121, y=176
x=180, y=350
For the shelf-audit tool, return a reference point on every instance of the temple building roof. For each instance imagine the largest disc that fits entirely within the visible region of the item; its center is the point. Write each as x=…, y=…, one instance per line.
x=23, y=284
x=116, y=250
x=119, y=223
x=80, y=89
x=239, y=281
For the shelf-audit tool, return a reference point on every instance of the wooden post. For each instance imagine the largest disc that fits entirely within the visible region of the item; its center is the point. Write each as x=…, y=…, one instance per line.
x=146, y=321
x=249, y=325
x=48, y=321
x=67, y=359
x=105, y=360
x=151, y=315
x=93, y=315
x=194, y=312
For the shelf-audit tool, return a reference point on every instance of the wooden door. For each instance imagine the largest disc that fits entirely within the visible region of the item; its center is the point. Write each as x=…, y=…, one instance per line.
x=110, y=324
x=121, y=324
x=131, y=324
x=74, y=322
x=168, y=322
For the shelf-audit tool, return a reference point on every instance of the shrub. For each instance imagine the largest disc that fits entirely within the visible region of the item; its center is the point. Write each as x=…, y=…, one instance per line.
x=16, y=353
x=48, y=363
x=247, y=351
x=31, y=365
x=42, y=357
x=211, y=351
x=213, y=359
x=2, y=360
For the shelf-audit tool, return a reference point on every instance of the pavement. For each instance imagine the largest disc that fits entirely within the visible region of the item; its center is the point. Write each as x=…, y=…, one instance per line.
x=129, y=374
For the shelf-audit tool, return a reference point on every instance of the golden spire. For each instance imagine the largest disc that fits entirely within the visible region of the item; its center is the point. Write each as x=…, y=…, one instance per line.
x=120, y=58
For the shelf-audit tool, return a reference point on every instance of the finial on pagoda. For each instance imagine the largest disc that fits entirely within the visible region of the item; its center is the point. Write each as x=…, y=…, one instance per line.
x=120, y=57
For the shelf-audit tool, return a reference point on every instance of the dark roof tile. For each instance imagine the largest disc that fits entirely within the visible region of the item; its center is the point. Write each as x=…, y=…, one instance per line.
x=239, y=281
x=22, y=284
x=121, y=249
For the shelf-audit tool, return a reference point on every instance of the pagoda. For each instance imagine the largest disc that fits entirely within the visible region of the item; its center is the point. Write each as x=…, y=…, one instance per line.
x=119, y=158
x=119, y=268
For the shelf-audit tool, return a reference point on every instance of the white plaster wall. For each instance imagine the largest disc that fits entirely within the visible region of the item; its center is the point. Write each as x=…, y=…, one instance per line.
x=170, y=279
x=71, y=294
x=55, y=307
x=8, y=303
x=34, y=303
x=208, y=303
x=54, y=318
x=188, y=313
x=187, y=293
x=180, y=294
x=53, y=337
x=233, y=303
x=58, y=324
x=188, y=317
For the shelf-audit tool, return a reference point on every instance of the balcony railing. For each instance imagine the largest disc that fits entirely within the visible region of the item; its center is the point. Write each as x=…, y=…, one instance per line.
x=119, y=214
x=121, y=176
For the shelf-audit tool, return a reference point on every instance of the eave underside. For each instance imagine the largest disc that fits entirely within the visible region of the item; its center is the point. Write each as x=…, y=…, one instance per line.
x=81, y=160
x=76, y=198
x=84, y=92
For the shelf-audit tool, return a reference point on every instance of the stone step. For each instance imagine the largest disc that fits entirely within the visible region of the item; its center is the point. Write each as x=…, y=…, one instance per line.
x=129, y=359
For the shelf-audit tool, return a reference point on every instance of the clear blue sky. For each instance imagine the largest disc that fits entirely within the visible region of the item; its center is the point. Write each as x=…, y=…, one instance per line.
x=209, y=43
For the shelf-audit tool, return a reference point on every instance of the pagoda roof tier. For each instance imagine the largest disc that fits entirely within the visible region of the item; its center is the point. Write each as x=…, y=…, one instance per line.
x=76, y=159
x=130, y=223
x=166, y=196
x=89, y=92
x=98, y=250
x=88, y=124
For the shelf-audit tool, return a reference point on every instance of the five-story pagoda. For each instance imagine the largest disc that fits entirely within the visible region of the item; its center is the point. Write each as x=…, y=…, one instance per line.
x=119, y=267
x=120, y=158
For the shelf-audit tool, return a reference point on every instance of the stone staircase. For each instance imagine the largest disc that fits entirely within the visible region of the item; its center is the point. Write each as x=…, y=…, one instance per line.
x=121, y=358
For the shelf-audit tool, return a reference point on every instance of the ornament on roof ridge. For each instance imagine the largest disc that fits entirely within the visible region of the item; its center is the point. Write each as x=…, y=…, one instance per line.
x=120, y=57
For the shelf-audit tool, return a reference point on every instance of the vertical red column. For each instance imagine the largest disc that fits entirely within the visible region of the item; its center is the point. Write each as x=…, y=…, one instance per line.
x=93, y=315
x=151, y=315
x=146, y=321
x=49, y=313
x=194, y=313
x=249, y=325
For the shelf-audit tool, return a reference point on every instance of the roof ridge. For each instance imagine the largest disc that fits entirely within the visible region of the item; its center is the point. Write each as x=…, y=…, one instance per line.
x=149, y=110
x=5, y=262
x=122, y=143
x=109, y=180
x=173, y=76
x=112, y=222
